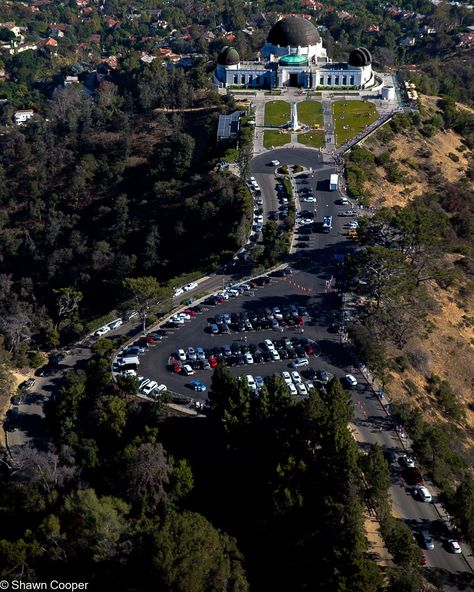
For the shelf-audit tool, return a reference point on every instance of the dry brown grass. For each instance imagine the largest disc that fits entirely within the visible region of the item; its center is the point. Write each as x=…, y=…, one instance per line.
x=423, y=161
x=449, y=339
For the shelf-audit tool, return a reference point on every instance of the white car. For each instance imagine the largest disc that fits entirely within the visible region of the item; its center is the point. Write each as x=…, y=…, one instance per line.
x=353, y=225
x=275, y=163
x=178, y=291
x=116, y=324
x=253, y=180
x=292, y=389
x=347, y=213
x=251, y=382
x=275, y=355
x=224, y=295
x=128, y=372
x=350, y=380
x=181, y=355
x=190, y=286
x=302, y=390
x=424, y=493
x=286, y=377
x=150, y=387
x=277, y=312
x=269, y=344
x=184, y=315
x=102, y=331
x=187, y=370
x=192, y=355
x=295, y=377
x=407, y=461
x=161, y=388
x=248, y=358
x=454, y=547
x=177, y=320
x=299, y=363
x=143, y=382
x=284, y=201
x=309, y=199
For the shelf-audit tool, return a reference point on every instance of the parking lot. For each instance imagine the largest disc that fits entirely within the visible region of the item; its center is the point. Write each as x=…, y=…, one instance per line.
x=305, y=335
x=296, y=309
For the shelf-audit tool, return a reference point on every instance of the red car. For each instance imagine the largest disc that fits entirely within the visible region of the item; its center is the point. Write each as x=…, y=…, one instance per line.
x=423, y=560
x=190, y=312
x=212, y=362
x=220, y=299
x=176, y=368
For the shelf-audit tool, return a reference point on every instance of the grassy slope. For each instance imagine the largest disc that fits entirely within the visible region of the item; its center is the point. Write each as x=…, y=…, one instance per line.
x=350, y=117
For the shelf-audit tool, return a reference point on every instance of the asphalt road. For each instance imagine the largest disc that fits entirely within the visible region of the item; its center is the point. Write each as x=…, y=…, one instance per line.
x=306, y=286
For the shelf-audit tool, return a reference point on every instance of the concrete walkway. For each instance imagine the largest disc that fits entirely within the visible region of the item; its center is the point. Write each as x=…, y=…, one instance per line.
x=329, y=125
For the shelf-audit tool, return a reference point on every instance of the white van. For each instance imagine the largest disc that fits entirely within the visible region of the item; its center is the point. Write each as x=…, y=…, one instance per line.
x=125, y=361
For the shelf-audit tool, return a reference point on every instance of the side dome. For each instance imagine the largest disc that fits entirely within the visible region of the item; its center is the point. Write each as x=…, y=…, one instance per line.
x=293, y=32
x=360, y=57
x=228, y=56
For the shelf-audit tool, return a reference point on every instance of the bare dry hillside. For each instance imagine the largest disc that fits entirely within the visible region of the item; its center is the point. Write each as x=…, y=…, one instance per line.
x=447, y=345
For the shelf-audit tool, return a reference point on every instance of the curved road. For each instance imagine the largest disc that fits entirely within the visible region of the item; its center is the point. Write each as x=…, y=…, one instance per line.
x=307, y=286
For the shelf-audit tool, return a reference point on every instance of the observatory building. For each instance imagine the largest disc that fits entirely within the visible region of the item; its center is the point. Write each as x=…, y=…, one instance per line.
x=293, y=55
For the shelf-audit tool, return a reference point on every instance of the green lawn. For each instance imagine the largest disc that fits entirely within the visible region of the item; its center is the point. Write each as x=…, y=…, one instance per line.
x=350, y=117
x=310, y=113
x=277, y=113
x=273, y=138
x=314, y=139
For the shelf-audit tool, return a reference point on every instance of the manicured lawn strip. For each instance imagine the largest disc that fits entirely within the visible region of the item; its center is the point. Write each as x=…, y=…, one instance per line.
x=277, y=113
x=314, y=139
x=351, y=117
x=275, y=138
x=310, y=113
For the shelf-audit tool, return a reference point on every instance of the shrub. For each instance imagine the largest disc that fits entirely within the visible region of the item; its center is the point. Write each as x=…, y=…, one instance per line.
x=411, y=387
x=419, y=359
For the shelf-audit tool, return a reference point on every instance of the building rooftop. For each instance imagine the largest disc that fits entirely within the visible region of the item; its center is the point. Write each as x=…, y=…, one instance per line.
x=228, y=126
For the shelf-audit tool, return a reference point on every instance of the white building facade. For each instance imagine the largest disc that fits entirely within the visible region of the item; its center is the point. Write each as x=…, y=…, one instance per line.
x=293, y=55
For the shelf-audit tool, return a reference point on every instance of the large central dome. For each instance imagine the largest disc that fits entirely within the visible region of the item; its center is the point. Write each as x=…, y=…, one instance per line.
x=293, y=32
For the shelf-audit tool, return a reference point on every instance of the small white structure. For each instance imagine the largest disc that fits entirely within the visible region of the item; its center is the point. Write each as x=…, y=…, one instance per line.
x=388, y=93
x=23, y=116
x=294, y=125
x=71, y=80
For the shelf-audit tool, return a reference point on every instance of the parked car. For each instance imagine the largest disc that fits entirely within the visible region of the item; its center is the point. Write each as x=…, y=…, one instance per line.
x=292, y=389
x=251, y=382
x=197, y=385
x=454, y=546
x=390, y=456
x=423, y=493
x=248, y=358
x=407, y=461
x=286, y=377
x=190, y=286
x=299, y=363
x=186, y=370
x=115, y=324
x=350, y=380
x=426, y=540
x=102, y=331
x=301, y=388
x=181, y=355
x=295, y=377
x=324, y=376
x=149, y=387
x=27, y=384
